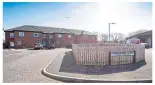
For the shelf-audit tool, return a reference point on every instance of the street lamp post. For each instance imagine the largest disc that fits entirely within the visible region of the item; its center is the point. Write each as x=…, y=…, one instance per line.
x=109, y=29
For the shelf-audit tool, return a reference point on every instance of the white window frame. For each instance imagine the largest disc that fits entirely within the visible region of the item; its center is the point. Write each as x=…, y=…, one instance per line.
x=69, y=36
x=11, y=35
x=19, y=42
x=21, y=34
x=36, y=33
x=44, y=36
x=59, y=35
x=50, y=36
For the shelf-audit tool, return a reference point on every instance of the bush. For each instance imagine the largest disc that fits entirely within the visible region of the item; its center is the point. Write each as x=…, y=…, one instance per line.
x=5, y=46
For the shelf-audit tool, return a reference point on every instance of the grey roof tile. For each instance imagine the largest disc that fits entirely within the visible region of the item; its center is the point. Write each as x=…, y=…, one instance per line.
x=24, y=28
x=51, y=29
x=149, y=32
x=45, y=29
x=79, y=32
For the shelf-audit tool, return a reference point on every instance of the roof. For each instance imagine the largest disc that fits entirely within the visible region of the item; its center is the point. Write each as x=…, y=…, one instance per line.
x=24, y=28
x=80, y=32
x=51, y=29
x=142, y=33
x=45, y=29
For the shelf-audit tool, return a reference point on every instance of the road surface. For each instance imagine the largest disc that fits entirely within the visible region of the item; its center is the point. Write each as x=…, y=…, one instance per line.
x=25, y=66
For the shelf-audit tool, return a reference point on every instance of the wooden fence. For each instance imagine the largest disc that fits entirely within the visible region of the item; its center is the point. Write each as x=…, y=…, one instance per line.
x=105, y=54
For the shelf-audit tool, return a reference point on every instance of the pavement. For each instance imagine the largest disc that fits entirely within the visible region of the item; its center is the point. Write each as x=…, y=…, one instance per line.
x=63, y=67
x=25, y=66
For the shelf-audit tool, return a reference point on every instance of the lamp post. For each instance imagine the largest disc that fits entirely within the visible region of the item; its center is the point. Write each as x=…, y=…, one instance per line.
x=109, y=29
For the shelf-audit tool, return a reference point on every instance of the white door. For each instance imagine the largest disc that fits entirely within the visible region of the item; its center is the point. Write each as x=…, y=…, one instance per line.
x=12, y=44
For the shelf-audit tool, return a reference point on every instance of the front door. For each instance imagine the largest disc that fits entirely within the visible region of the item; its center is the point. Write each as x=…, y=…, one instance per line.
x=12, y=44
x=44, y=43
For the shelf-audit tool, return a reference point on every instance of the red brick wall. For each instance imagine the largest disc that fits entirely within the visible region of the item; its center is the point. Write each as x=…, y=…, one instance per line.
x=76, y=39
x=7, y=37
x=85, y=39
x=64, y=41
x=28, y=40
x=47, y=39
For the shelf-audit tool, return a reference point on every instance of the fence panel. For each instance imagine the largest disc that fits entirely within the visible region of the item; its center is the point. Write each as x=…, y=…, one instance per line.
x=98, y=54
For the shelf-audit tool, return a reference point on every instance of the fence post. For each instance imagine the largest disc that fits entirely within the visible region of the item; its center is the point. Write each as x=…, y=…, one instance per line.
x=109, y=58
x=134, y=57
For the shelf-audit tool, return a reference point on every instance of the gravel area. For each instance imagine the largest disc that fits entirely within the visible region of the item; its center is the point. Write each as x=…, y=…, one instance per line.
x=66, y=66
x=25, y=66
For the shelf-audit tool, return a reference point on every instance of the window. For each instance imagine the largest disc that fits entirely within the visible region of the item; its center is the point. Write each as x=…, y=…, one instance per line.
x=50, y=36
x=59, y=35
x=69, y=36
x=21, y=34
x=11, y=35
x=36, y=35
x=93, y=37
x=18, y=42
x=44, y=36
x=78, y=37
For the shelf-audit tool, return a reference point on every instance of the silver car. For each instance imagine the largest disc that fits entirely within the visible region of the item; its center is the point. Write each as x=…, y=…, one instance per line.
x=38, y=46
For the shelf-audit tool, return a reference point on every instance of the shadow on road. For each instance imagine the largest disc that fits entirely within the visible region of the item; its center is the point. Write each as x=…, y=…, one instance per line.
x=69, y=65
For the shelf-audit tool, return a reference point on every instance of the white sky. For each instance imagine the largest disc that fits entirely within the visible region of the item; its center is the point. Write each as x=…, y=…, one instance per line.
x=128, y=16
x=96, y=16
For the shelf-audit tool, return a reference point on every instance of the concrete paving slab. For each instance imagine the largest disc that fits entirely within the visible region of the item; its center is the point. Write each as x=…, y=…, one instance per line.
x=63, y=67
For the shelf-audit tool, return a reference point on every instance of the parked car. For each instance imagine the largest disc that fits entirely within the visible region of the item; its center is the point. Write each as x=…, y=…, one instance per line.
x=52, y=46
x=38, y=46
x=146, y=45
x=133, y=40
x=69, y=46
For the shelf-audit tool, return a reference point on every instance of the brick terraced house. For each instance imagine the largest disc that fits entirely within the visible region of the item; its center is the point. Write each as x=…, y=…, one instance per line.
x=27, y=36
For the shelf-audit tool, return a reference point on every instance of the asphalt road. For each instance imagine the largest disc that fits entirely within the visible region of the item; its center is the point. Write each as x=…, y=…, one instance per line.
x=25, y=66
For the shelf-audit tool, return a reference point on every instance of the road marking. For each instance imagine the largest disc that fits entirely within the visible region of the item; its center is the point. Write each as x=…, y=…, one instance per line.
x=11, y=54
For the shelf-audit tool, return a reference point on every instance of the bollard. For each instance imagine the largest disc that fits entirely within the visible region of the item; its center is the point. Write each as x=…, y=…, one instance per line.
x=109, y=58
x=134, y=57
